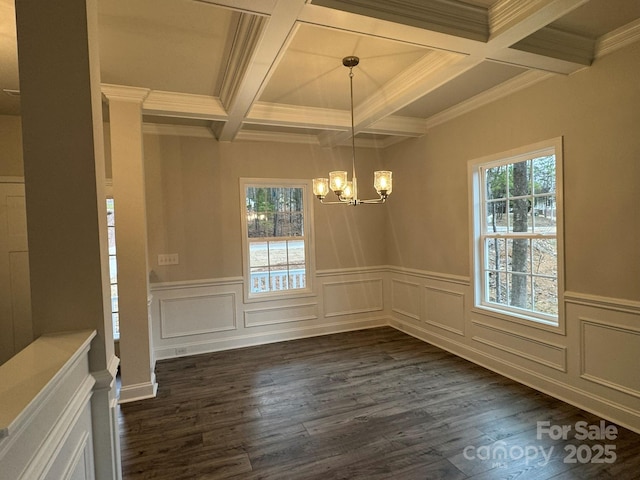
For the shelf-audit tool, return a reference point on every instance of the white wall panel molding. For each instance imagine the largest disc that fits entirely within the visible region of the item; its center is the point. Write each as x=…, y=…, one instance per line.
x=406, y=298
x=80, y=464
x=351, y=271
x=186, y=321
x=45, y=391
x=443, y=277
x=605, y=303
x=609, y=355
x=271, y=336
x=188, y=284
x=444, y=308
x=544, y=353
x=618, y=412
x=197, y=314
x=259, y=317
x=352, y=297
x=46, y=457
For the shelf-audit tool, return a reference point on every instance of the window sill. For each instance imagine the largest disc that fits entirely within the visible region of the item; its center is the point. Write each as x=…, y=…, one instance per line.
x=549, y=326
x=278, y=295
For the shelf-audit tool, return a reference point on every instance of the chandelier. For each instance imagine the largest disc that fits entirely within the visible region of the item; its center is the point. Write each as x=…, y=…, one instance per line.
x=347, y=191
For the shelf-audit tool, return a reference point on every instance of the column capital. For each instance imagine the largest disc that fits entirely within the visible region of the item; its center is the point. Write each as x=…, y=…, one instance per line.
x=124, y=93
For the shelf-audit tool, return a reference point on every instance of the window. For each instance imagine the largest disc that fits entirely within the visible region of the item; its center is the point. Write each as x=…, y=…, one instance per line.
x=517, y=223
x=277, y=243
x=113, y=268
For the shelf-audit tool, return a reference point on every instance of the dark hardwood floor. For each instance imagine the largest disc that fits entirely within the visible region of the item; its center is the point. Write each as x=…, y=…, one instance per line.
x=373, y=404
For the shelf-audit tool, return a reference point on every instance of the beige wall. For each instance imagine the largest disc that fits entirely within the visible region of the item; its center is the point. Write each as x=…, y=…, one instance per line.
x=193, y=204
x=596, y=111
x=11, y=146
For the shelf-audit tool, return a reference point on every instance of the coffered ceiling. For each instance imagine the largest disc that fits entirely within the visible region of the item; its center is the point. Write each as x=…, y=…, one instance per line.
x=272, y=69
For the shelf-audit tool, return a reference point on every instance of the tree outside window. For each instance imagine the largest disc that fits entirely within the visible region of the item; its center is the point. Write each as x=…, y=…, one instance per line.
x=517, y=234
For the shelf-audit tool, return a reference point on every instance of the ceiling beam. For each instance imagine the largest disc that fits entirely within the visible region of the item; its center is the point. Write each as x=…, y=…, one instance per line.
x=454, y=18
x=184, y=105
x=265, y=57
x=510, y=21
x=261, y=7
x=433, y=70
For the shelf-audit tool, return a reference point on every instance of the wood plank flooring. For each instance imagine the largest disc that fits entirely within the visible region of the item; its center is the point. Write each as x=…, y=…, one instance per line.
x=372, y=404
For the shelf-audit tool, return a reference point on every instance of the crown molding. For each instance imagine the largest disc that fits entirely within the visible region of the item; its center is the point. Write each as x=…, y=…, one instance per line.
x=185, y=105
x=445, y=16
x=245, y=40
x=124, y=93
x=262, y=7
x=308, y=139
x=264, y=113
x=504, y=89
x=398, y=126
x=177, y=130
x=554, y=43
x=510, y=21
x=268, y=52
x=504, y=13
x=621, y=37
x=248, y=135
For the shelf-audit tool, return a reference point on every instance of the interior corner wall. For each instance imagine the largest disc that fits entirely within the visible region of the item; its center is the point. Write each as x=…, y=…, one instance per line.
x=590, y=360
x=596, y=111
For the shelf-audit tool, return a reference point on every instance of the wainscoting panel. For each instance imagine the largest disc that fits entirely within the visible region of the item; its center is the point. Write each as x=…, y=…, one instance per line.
x=257, y=317
x=591, y=363
x=197, y=314
x=201, y=316
x=353, y=296
x=46, y=430
x=535, y=350
x=444, y=309
x=610, y=355
x=405, y=298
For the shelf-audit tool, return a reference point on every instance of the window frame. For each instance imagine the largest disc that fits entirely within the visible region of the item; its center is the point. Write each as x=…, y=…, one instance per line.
x=307, y=237
x=116, y=332
x=478, y=202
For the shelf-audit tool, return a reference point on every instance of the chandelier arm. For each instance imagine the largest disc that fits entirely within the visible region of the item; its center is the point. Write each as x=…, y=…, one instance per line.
x=373, y=201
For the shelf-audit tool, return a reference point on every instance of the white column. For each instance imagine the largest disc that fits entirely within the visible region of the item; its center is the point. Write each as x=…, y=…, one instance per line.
x=127, y=167
x=63, y=151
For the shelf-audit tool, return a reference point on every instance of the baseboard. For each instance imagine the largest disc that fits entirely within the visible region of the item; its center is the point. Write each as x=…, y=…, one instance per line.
x=240, y=341
x=570, y=394
x=138, y=391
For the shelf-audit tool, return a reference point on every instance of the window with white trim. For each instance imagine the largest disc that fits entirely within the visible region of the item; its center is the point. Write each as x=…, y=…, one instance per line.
x=517, y=223
x=113, y=268
x=277, y=245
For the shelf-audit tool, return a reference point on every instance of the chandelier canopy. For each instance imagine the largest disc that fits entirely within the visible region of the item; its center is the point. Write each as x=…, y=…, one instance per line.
x=347, y=190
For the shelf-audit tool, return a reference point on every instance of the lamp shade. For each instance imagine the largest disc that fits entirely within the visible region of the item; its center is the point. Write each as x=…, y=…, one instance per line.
x=347, y=192
x=382, y=182
x=320, y=187
x=337, y=180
